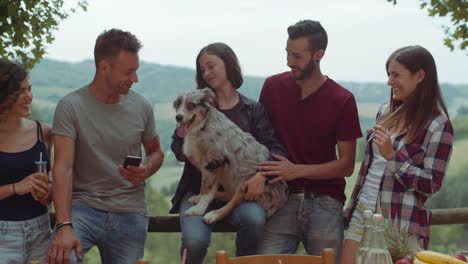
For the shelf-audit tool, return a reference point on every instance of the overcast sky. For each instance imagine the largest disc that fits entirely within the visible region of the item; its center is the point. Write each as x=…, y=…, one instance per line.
x=361, y=33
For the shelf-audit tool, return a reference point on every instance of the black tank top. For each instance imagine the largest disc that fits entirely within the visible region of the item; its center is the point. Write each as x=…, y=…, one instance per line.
x=13, y=168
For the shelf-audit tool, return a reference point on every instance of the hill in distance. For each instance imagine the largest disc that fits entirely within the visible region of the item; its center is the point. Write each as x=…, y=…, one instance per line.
x=162, y=83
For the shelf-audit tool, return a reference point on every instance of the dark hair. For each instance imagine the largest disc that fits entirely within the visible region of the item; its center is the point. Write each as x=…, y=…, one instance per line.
x=229, y=58
x=112, y=41
x=11, y=75
x=425, y=99
x=313, y=30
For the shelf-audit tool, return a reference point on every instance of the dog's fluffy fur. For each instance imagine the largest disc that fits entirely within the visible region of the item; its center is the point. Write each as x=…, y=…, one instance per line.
x=224, y=154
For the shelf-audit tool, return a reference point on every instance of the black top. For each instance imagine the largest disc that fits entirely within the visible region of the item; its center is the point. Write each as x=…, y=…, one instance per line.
x=251, y=117
x=14, y=167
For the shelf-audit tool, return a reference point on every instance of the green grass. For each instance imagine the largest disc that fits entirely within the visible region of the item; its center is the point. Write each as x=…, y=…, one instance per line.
x=165, y=177
x=458, y=160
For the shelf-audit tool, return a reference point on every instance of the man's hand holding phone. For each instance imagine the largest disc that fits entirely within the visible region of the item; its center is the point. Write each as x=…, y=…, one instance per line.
x=133, y=170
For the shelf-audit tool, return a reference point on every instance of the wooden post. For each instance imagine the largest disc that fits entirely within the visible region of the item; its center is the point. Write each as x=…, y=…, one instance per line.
x=328, y=255
x=221, y=257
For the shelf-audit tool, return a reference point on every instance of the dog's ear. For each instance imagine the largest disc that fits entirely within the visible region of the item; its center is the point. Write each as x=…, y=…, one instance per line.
x=209, y=98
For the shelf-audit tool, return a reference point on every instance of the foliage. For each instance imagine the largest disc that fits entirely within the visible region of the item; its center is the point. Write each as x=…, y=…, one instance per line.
x=360, y=147
x=463, y=110
x=26, y=26
x=460, y=125
x=169, y=190
x=452, y=194
x=445, y=239
x=166, y=129
x=457, y=33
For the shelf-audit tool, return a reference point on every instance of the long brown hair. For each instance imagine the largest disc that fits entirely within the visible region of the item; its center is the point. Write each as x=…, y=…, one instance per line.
x=229, y=58
x=425, y=100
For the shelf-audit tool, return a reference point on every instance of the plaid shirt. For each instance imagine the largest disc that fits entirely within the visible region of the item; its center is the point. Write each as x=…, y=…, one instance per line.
x=414, y=173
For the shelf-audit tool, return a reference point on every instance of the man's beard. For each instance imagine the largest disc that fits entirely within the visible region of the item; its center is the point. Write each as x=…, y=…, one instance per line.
x=307, y=71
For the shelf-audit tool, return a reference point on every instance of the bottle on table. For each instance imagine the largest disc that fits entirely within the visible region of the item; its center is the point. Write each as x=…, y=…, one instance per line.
x=366, y=236
x=378, y=252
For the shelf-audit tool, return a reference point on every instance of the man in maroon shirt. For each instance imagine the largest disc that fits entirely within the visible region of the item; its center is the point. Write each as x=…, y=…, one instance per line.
x=314, y=118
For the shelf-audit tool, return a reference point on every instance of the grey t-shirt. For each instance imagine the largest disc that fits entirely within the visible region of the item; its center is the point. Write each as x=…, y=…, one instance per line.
x=104, y=134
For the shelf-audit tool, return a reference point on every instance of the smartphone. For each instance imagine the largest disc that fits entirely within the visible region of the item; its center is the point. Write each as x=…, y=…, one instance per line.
x=132, y=160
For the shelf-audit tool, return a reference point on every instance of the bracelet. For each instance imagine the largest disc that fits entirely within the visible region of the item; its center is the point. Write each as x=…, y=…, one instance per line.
x=14, y=189
x=58, y=226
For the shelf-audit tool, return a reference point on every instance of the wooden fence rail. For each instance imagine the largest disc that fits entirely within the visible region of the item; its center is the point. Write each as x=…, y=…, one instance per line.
x=450, y=216
x=170, y=224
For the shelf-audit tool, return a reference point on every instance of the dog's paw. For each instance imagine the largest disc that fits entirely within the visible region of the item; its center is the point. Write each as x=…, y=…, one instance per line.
x=195, y=210
x=194, y=199
x=211, y=217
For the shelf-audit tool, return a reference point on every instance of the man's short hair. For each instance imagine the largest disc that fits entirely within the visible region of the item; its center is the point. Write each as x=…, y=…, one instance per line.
x=112, y=41
x=313, y=31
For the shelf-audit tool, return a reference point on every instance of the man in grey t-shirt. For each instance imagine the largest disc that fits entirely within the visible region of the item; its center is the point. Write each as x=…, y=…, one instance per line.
x=98, y=201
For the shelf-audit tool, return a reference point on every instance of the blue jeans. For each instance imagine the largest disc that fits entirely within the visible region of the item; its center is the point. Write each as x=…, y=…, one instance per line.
x=316, y=222
x=120, y=237
x=22, y=241
x=249, y=217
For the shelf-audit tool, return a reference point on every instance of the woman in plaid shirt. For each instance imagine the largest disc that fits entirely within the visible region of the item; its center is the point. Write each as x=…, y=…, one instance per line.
x=407, y=151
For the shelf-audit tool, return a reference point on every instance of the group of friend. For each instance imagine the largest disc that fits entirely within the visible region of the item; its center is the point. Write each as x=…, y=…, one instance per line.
x=308, y=121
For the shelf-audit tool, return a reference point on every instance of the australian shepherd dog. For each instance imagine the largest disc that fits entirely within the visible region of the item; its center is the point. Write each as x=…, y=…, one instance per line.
x=224, y=154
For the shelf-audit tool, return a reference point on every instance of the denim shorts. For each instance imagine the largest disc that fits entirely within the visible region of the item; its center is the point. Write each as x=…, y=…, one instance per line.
x=22, y=241
x=356, y=225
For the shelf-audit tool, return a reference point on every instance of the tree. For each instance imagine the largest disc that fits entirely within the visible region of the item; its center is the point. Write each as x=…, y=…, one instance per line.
x=26, y=26
x=457, y=33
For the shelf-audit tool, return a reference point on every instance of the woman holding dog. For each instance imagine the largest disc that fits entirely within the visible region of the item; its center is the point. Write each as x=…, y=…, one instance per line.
x=218, y=68
x=24, y=193
x=407, y=152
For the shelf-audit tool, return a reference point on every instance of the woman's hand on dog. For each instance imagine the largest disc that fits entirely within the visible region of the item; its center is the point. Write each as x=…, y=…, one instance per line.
x=284, y=169
x=134, y=174
x=254, y=187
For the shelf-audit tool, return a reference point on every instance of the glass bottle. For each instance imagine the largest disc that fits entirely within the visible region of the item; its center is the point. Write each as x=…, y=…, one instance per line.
x=378, y=252
x=41, y=167
x=366, y=236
